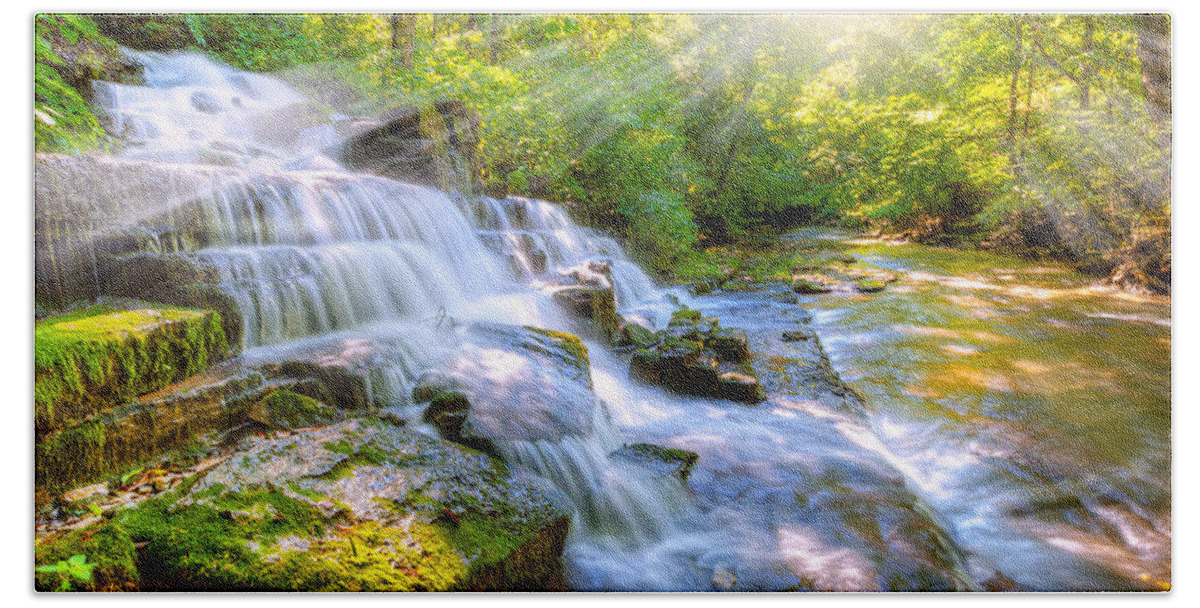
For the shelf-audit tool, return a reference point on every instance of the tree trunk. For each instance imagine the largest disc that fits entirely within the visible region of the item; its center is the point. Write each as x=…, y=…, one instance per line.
x=1086, y=70
x=1154, y=53
x=404, y=35
x=494, y=39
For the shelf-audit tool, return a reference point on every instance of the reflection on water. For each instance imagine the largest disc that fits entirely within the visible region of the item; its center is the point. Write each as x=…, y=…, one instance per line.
x=1031, y=407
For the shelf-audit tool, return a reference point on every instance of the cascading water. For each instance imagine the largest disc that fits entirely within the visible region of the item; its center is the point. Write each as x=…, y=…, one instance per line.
x=315, y=255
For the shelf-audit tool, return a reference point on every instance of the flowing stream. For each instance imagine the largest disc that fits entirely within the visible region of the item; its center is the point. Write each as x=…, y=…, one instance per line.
x=1016, y=422
x=1031, y=407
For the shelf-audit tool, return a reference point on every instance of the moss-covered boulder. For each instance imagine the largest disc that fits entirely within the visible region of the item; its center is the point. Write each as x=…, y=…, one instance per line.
x=91, y=360
x=810, y=285
x=635, y=335
x=355, y=506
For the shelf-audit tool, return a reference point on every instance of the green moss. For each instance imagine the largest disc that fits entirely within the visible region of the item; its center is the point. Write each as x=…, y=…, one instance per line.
x=285, y=409
x=570, y=343
x=485, y=540
x=108, y=550
x=204, y=546
x=366, y=454
x=686, y=315
x=72, y=456
x=91, y=360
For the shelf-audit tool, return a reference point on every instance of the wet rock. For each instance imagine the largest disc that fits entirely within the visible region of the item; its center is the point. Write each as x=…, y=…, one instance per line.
x=694, y=356
x=519, y=383
x=202, y=406
x=448, y=412
x=870, y=285
x=423, y=145
x=667, y=461
x=723, y=579
x=730, y=345
x=799, y=335
x=355, y=506
x=84, y=493
x=284, y=409
x=739, y=386
x=810, y=286
x=636, y=335
x=83, y=200
x=586, y=292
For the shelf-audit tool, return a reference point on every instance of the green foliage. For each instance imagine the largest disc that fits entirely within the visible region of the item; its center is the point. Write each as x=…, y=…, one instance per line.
x=74, y=569
x=97, y=558
x=63, y=120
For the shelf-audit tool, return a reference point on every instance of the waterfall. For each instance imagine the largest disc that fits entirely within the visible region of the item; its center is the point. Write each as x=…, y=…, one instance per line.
x=318, y=257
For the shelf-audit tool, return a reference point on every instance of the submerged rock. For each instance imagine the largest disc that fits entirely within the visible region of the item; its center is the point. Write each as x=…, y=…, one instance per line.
x=514, y=383
x=668, y=461
x=355, y=506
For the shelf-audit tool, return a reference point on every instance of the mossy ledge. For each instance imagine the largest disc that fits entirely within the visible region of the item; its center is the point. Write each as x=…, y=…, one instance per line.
x=91, y=360
x=354, y=506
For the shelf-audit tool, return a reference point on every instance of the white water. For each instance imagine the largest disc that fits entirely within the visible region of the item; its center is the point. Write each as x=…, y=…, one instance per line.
x=389, y=275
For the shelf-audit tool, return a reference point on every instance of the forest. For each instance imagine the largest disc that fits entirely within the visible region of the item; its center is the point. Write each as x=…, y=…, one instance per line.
x=689, y=134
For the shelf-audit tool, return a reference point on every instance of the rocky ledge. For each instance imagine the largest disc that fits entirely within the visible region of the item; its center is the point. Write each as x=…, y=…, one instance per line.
x=356, y=505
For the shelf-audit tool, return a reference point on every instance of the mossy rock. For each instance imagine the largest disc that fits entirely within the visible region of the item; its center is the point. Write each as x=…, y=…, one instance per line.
x=636, y=335
x=149, y=428
x=96, y=558
x=355, y=506
x=730, y=345
x=561, y=343
x=88, y=361
x=809, y=287
x=671, y=460
x=285, y=409
x=870, y=285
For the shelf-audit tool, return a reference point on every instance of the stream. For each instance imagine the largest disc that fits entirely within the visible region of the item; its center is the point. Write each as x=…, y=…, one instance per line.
x=1029, y=406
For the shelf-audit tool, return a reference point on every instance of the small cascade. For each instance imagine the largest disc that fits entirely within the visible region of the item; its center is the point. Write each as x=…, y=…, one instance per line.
x=538, y=240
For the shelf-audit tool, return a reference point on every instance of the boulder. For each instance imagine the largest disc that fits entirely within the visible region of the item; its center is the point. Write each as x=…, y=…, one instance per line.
x=809, y=286
x=510, y=383
x=284, y=409
x=635, y=335
x=694, y=356
x=433, y=145
x=586, y=292
x=354, y=506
